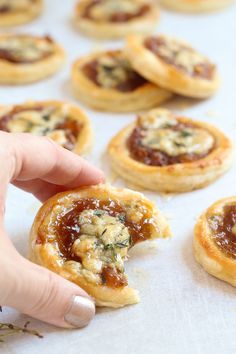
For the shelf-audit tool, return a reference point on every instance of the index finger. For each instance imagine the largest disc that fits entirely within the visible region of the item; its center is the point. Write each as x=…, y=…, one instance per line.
x=41, y=158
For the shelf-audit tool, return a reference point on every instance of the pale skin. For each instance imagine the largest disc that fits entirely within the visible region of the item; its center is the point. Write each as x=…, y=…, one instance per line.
x=39, y=166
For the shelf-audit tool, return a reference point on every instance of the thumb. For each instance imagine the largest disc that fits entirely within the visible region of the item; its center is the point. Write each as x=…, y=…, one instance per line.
x=40, y=293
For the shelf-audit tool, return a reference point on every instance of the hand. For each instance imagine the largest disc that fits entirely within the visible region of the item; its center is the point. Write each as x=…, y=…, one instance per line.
x=40, y=167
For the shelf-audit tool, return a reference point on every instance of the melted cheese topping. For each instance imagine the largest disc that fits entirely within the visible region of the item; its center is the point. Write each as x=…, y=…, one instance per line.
x=41, y=122
x=181, y=54
x=174, y=143
x=112, y=71
x=107, y=8
x=26, y=48
x=104, y=241
x=161, y=135
x=15, y=5
x=157, y=118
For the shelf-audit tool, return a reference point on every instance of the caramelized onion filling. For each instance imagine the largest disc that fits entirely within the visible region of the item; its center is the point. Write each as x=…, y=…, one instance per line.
x=223, y=228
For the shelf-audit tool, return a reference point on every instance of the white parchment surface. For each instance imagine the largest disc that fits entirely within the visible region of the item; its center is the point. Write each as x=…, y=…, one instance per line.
x=183, y=310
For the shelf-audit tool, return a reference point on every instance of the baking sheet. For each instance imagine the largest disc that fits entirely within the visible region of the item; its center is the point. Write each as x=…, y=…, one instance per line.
x=182, y=309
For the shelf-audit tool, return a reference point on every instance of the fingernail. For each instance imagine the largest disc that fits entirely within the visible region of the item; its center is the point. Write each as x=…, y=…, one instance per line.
x=81, y=312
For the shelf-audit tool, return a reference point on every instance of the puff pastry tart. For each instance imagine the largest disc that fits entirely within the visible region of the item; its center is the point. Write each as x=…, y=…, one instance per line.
x=215, y=240
x=167, y=153
x=172, y=64
x=64, y=123
x=27, y=58
x=84, y=235
x=106, y=81
x=115, y=18
x=196, y=5
x=16, y=12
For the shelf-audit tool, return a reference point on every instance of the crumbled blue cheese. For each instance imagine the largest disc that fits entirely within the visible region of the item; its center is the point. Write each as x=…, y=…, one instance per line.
x=157, y=118
x=174, y=143
x=159, y=134
x=181, y=54
x=104, y=241
x=112, y=70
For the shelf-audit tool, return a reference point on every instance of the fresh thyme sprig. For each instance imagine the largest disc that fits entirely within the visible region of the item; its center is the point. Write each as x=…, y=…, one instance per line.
x=8, y=329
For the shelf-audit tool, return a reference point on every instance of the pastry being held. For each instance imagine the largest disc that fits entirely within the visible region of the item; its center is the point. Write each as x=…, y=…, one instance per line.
x=84, y=235
x=39, y=166
x=168, y=153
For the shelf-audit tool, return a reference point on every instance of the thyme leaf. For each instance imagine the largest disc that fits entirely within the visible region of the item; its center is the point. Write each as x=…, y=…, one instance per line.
x=108, y=68
x=112, y=246
x=122, y=217
x=46, y=117
x=45, y=131
x=185, y=133
x=179, y=144
x=109, y=246
x=122, y=244
x=167, y=125
x=98, y=212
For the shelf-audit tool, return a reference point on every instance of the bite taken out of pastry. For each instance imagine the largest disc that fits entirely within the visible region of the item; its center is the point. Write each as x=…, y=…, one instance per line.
x=215, y=240
x=84, y=235
x=63, y=122
x=26, y=58
x=173, y=64
x=111, y=19
x=17, y=12
x=167, y=153
x=106, y=81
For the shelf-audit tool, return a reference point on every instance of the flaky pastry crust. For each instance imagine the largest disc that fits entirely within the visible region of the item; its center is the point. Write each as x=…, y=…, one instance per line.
x=18, y=17
x=174, y=178
x=16, y=73
x=215, y=261
x=144, y=97
x=47, y=255
x=103, y=29
x=196, y=5
x=81, y=144
x=166, y=75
